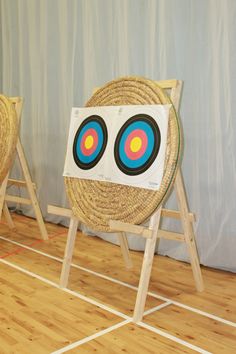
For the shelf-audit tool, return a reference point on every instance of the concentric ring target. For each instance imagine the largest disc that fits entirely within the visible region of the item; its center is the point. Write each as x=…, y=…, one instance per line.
x=137, y=144
x=90, y=142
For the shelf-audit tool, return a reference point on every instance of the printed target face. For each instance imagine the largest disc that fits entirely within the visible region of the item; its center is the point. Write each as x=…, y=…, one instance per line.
x=90, y=142
x=137, y=144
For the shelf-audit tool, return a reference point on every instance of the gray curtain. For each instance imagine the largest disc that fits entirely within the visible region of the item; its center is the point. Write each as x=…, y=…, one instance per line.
x=55, y=52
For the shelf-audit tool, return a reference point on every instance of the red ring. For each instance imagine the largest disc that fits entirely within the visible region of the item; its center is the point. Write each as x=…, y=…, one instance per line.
x=140, y=134
x=90, y=151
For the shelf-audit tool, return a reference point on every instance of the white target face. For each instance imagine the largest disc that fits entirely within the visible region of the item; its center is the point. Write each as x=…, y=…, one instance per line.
x=118, y=144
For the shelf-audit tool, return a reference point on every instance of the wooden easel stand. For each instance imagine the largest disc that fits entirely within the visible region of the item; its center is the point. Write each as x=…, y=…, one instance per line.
x=151, y=233
x=26, y=183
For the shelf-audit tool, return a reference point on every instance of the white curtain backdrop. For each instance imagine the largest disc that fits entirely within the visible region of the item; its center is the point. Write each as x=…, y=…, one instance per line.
x=54, y=52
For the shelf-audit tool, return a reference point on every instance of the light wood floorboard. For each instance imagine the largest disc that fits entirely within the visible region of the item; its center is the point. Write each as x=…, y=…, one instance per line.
x=37, y=318
x=201, y=331
x=131, y=339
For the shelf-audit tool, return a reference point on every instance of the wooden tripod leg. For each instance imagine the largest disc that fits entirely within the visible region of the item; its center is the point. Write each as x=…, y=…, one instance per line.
x=188, y=231
x=146, y=268
x=125, y=249
x=8, y=216
x=2, y=194
x=69, y=252
x=31, y=191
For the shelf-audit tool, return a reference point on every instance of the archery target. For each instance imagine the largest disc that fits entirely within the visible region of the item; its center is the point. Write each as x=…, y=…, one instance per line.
x=137, y=144
x=90, y=142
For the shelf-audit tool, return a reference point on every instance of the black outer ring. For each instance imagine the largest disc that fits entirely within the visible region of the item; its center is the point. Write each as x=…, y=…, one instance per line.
x=157, y=137
x=93, y=163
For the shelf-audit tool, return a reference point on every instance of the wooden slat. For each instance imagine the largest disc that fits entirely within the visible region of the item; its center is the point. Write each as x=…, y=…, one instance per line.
x=74, y=223
x=8, y=216
x=53, y=209
x=125, y=249
x=116, y=225
x=15, y=100
x=144, y=279
x=15, y=199
x=19, y=183
x=3, y=188
x=176, y=214
x=167, y=84
x=170, y=235
x=175, y=94
x=188, y=231
x=18, y=103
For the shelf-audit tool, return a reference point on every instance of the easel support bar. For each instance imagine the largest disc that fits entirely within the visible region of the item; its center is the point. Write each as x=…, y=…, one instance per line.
x=19, y=183
x=53, y=209
x=116, y=225
x=170, y=235
x=15, y=199
x=176, y=214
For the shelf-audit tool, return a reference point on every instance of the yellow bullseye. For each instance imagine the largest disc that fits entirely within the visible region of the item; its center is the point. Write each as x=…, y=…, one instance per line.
x=89, y=142
x=135, y=144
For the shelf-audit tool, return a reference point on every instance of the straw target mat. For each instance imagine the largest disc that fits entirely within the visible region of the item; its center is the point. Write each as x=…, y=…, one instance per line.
x=8, y=135
x=95, y=203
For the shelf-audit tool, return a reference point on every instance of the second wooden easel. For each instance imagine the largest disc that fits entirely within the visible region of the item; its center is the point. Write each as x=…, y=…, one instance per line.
x=26, y=183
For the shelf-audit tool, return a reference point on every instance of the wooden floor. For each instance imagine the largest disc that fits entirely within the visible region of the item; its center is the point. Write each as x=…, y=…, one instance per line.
x=94, y=314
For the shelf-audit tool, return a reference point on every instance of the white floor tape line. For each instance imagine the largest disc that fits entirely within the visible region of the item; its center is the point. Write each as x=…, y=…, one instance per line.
x=203, y=313
x=93, y=336
x=176, y=303
x=173, y=338
x=156, y=308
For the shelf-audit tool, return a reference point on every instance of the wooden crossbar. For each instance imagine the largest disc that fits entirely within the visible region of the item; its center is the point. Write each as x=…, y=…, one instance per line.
x=168, y=84
x=16, y=199
x=18, y=183
x=175, y=214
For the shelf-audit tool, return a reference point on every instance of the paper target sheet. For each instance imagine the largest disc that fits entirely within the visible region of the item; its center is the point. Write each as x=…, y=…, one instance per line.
x=118, y=144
